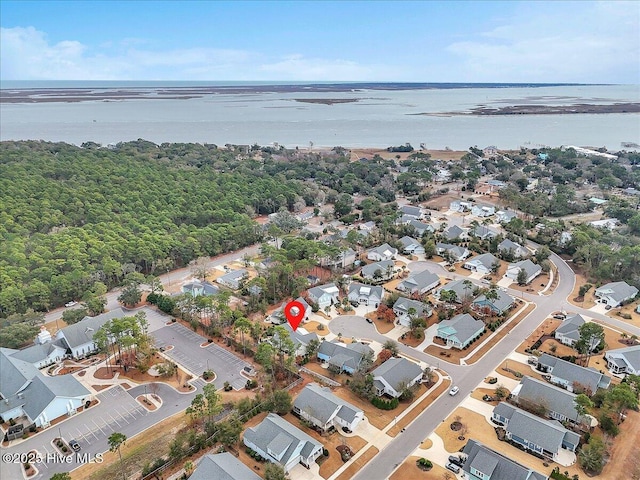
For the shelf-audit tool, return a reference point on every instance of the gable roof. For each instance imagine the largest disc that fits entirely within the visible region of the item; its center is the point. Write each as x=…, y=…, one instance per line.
x=484, y=231
x=365, y=290
x=319, y=290
x=410, y=210
x=349, y=355
x=384, y=249
x=569, y=327
x=321, y=404
x=383, y=266
x=233, y=276
x=83, y=331
x=486, y=259
x=300, y=336
x=222, y=466
x=507, y=245
x=420, y=280
x=454, y=231
x=455, y=250
x=38, y=352
x=14, y=373
x=589, y=377
x=421, y=226
x=528, y=266
x=459, y=287
x=463, y=326
x=404, y=304
x=502, y=303
x=619, y=291
x=496, y=465
x=43, y=390
x=408, y=241
x=208, y=288
x=553, y=398
x=397, y=372
x=630, y=355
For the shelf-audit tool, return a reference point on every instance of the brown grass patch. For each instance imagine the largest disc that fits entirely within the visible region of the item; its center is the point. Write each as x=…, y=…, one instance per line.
x=625, y=453
x=357, y=464
x=478, y=393
x=410, y=471
x=545, y=328
x=312, y=327
x=514, y=366
x=382, y=326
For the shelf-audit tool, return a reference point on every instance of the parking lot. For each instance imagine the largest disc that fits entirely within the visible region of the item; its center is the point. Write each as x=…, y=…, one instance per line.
x=188, y=353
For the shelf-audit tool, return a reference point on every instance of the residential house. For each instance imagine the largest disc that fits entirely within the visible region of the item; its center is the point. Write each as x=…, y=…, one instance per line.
x=608, y=223
x=394, y=375
x=571, y=376
x=280, y=442
x=497, y=306
x=419, y=283
x=344, y=357
x=324, y=295
x=512, y=248
x=44, y=352
x=383, y=252
x=233, y=279
x=454, y=252
x=300, y=338
x=455, y=232
x=196, y=288
x=25, y=391
x=482, y=210
x=369, y=295
x=496, y=183
x=463, y=289
x=557, y=402
x=421, y=228
x=459, y=206
x=344, y=259
x=278, y=317
x=483, y=232
x=624, y=360
x=616, y=293
x=416, y=212
x=482, y=463
x=443, y=176
x=482, y=263
x=490, y=151
x=505, y=216
x=403, y=305
x=222, y=466
x=568, y=332
x=544, y=437
x=531, y=270
x=411, y=246
x=367, y=226
x=325, y=410
x=378, y=271
x=78, y=338
x=460, y=331
x=631, y=191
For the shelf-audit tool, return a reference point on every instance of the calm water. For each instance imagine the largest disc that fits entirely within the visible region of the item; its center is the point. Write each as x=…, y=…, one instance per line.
x=378, y=119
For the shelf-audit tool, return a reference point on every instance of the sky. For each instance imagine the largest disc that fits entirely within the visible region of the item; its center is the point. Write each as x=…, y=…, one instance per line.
x=372, y=41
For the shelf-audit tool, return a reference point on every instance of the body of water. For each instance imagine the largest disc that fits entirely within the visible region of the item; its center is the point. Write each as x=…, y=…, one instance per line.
x=372, y=118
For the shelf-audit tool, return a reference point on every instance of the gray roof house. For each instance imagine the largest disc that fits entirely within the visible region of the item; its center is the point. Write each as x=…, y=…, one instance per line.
x=394, y=375
x=616, y=293
x=233, y=279
x=324, y=410
x=222, y=466
x=482, y=263
x=44, y=352
x=456, y=252
x=403, y=305
x=571, y=376
x=365, y=294
x=344, y=259
x=460, y=330
x=483, y=232
x=460, y=288
x=384, y=269
x=344, y=357
x=510, y=247
x=421, y=227
x=453, y=232
x=416, y=212
x=568, y=332
x=278, y=317
x=531, y=269
x=280, y=442
x=196, y=288
x=624, y=360
x=505, y=216
x=411, y=246
x=482, y=463
x=300, y=339
x=324, y=295
x=419, y=282
x=498, y=306
x=383, y=252
x=535, y=434
x=559, y=403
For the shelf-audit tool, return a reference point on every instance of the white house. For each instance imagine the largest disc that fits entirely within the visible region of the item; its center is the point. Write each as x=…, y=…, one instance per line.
x=233, y=279
x=222, y=466
x=455, y=252
x=624, y=360
x=411, y=246
x=325, y=410
x=483, y=210
x=402, y=307
x=379, y=271
x=616, y=293
x=568, y=332
x=324, y=295
x=421, y=228
x=531, y=270
x=482, y=263
x=394, y=375
x=416, y=212
x=365, y=294
x=420, y=282
x=571, y=376
x=383, y=252
x=196, y=288
x=505, y=216
x=280, y=442
x=78, y=338
x=459, y=206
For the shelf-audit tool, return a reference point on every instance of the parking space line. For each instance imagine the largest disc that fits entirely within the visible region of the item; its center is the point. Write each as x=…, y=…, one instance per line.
x=92, y=433
x=98, y=427
x=115, y=420
x=82, y=435
x=122, y=417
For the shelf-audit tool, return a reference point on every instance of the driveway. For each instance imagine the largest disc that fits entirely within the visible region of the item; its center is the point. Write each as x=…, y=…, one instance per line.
x=188, y=353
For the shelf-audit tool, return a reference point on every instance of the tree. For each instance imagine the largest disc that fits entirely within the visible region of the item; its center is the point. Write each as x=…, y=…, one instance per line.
x=74, y=315
x=582, y=404
x=61, y=476
x=384, y=355
x=273, y=471
x=392, y=347
x=312, y=348
x=228, y=432
x=620, y=398
x=131, y=293
x=522, y=277
x=117, y=440
x=591, y=336
x=281, y=402
x=591, y=456
x=242, y=325
x=200, y=268
x=264, y=355
x=448, y=296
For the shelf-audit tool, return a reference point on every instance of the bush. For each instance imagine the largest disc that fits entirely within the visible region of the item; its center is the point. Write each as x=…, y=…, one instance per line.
x=251, y=384
x=325, y=452
x=424, y=464
x=385, y=404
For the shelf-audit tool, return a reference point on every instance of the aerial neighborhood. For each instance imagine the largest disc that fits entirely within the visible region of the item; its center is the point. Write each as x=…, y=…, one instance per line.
x=463, y=298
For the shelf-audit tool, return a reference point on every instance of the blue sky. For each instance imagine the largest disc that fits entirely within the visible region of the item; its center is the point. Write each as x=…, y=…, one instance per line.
x=456, y=41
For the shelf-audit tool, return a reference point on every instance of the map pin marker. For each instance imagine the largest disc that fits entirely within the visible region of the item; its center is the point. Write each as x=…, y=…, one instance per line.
x=294, y=311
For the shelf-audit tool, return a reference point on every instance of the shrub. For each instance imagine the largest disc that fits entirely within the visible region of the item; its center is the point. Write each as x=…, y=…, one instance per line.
x=251, y=384
x=325, y=452
x=385, y=404
x=424, y=464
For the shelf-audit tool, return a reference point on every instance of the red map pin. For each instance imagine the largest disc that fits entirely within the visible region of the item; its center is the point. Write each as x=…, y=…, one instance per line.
x=294, y=318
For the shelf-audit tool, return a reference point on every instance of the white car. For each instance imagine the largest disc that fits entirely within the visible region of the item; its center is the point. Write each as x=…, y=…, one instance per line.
x=70, y=304
x=454, y=391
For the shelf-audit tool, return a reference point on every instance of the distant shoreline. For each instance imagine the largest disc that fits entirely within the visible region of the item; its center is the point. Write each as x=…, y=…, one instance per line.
x=545, y=110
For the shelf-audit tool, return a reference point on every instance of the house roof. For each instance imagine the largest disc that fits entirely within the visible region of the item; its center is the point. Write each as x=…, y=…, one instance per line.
x=542, y=393
x=460, y=289
x=274, y=432
x=496, y=465
x=321, y=404
x=383, y=266
x=43, y=390
x=365, y=290
x=507, y=245
x=397, y=372
x=454, y=231
x=300, y=336
x=547, y=434
x=83, y=331
x=350, y=355
x=502, y=303
x=207, y=287
x=454, y=250
x=233, y=276
x=222, y=466
x=630, y=355
x=407, y=241
x=14, y=373
x=484, y=231
x=486, y=259
x=38, y=352
x=528, y=266
x=409, y=210
x=329, y=289
x=420, y=226
x=421, y=280
x=463, y=326
x=384, y=249
x=619, y=291
x=508, y=215
x=404, y=304
x=589, y=377
x=571, y=324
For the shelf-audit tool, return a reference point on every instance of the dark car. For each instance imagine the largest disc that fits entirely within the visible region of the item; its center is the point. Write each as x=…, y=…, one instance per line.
x=75, y=446
x=455, y=460
x=369, y=320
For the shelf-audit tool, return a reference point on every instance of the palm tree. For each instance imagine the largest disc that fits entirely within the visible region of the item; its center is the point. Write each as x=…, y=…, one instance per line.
x=242, y=325
x=116, y=440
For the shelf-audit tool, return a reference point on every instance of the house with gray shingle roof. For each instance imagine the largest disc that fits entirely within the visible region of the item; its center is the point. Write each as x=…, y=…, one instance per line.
x=462, y=289
x=383, y=252
x=455, y=252
x=324, y=295
x=233, y=279
x=482, y=263
x=460, y=330
x=222, y=466
x=531, y=270
x=544, y=437
x=421, y=228
x=197, y=288
x=483, y=232
x=482, y=463
x=280, y=442
x=419, y=283
x=378, y=271
x=624, y=360
x=78, y=338
x=324, y=410
x=42, y=354
x=365, y=294
x=344, y=259
x=482, y=210
x=568, y=332
x=411, y=246
x=498, y=305
x=558, y=403
x=512, y=248
x=278, y=317
x=616, y=293
x=344, y=357
x=505, y=216
x=402, y=307
x=395, y=375
x=300, y=339
x=416, y=212
x=571, y=376
x=453, y=232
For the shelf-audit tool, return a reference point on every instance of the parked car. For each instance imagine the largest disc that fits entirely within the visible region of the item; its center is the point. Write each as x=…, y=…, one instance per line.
x=455, y=460
x=70, y=304
x=369, y=320
x=559, y=316
x=75, y=446
x=453, y=468
x=454, y=391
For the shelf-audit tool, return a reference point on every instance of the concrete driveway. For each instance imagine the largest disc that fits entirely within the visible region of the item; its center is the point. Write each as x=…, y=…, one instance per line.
x=188, y=353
